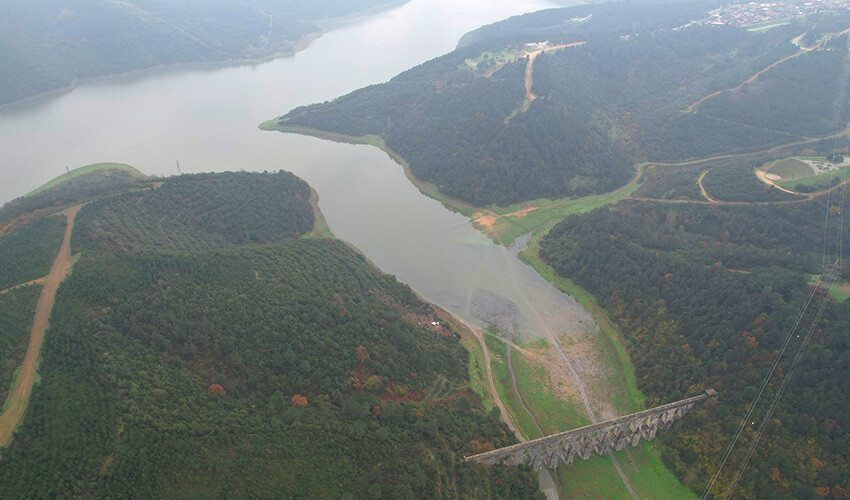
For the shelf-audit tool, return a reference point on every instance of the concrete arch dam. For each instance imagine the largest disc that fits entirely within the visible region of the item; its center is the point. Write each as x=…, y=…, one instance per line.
x=615, y=434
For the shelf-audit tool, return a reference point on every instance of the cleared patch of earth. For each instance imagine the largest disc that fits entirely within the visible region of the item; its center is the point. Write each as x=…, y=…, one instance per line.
x=16, y=404
x=486, y=219
x=768, y=179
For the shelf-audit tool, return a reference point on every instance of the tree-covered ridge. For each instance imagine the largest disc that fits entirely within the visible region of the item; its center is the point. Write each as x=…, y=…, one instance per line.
x=201, y=212
x=799, y=96
x=628, y=94
x=17, y=308
x=706, y=295
x=27, y=253
x=48, y=45
x=288, y=369
x=327, y=384
x=74, y=189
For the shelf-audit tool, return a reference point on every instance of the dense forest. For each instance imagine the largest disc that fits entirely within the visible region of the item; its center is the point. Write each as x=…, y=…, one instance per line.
x=201, y=212
x=17, y=308
x=48, y=45
x=80, y=188
x=735, y=180
x=462, y=120
x=799, y=96
x=705, y=295
x=27, y=253
x=290, y=369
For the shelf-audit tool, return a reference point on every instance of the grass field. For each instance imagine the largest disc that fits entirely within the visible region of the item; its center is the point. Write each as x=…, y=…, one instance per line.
x=97, y=167
x=476, y=368
x=761, y=28
x=505, y=388
x=795, y=172
x=840, y=292
x=320, y=225
x=505, y=224
x=495, y=59
x=553, y=413
x=596, y=478
x=625, y=395
x=790, y=169
x=821, y=180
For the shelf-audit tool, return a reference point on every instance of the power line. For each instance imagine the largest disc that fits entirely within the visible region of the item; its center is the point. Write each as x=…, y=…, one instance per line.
x=830, y=270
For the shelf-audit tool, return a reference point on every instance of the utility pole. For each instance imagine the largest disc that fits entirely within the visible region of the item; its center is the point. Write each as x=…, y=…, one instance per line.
x=178, y=168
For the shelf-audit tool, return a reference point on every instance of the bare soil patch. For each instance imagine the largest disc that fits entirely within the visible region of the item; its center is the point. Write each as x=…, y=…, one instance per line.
x=19, y=398
x=769, y=178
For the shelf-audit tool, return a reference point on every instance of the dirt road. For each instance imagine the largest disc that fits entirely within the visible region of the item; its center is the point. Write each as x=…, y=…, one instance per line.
x=479, y=335
x=749, y=80
x=762, y=175
x=20, y=395
x=529, y=70
x=39, y=281
x=756, y=76
x=702, y=188
x=546, y=481
x=712, y=201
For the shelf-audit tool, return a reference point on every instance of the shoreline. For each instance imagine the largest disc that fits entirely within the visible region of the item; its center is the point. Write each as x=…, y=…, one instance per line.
x=584, y=298
x=324, y=26
x=427, y=188
x=302, y=44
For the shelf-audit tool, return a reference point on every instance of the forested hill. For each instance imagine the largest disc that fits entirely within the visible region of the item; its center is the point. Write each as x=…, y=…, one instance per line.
x=47, y=45
x=201, y=212
x=621, y=91
x=706, y=295
x=82, y=184
x=201, y=349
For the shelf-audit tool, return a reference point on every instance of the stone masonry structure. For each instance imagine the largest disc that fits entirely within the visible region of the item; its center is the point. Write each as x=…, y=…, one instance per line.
x=611, y=435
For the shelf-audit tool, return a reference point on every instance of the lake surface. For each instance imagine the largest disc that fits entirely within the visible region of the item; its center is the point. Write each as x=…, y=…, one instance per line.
x=207, y=120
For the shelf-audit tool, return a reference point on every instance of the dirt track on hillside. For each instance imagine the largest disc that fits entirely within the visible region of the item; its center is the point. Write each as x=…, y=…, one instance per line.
x=756, y=76
x=529, y=70
x=19, y=397
x=479, y=336
x=39, y=281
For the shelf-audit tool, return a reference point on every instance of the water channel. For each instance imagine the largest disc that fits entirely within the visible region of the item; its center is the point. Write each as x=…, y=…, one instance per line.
x=206, y=118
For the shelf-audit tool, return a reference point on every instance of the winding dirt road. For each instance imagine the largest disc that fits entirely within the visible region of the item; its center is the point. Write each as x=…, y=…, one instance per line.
x=803, y=50
x=16, y=404
x=805, y=197
x=762, y=175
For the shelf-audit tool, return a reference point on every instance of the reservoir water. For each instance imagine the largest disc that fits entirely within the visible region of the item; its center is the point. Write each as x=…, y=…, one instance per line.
x=206, y=118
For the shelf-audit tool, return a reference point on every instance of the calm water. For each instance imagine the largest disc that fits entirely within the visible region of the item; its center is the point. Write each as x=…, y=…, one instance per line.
x=207, y=119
